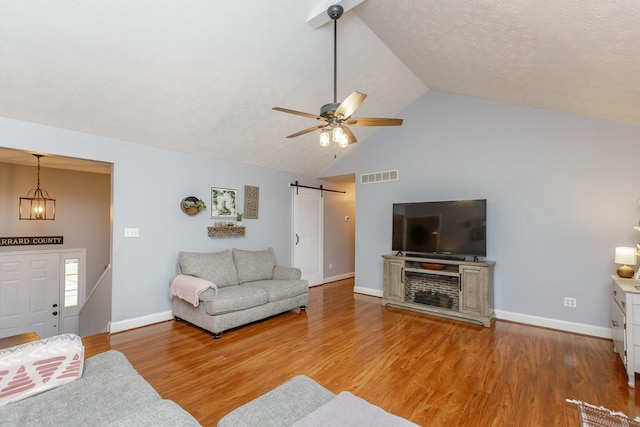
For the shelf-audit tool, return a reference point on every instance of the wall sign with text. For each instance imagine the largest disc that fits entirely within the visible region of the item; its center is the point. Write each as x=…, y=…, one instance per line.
x=31, y=241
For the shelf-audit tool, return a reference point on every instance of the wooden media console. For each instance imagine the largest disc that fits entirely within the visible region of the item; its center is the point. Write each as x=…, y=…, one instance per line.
x=461, y=290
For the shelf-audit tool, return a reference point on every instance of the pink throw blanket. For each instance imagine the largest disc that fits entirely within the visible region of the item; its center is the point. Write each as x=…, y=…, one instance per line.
x=189, y=288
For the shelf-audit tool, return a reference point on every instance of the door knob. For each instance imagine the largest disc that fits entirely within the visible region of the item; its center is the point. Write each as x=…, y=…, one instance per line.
x=54, y=305
x=55, y=313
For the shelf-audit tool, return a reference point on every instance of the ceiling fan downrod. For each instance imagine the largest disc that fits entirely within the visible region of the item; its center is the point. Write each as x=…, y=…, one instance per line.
x=335, y=12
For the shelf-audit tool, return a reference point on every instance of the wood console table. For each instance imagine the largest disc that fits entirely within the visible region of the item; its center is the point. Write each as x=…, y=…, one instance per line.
x=468, y=284
x=18, y=339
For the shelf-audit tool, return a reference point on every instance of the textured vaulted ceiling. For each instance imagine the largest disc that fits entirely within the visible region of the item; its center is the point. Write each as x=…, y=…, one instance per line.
x=202, y=76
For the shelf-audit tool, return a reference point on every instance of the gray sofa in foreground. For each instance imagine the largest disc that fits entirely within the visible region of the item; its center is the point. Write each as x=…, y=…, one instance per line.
x=250, y=287
x=302, y=402
x=110, y=392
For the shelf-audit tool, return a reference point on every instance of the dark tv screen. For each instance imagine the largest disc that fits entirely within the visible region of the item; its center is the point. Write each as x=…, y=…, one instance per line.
x=456, y=227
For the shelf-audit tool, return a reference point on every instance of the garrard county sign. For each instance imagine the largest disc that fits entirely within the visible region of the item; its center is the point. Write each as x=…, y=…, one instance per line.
x=25, y=241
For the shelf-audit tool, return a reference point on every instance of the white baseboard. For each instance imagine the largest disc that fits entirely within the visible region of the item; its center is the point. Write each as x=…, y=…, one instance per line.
x=367, y=291
x=138, y=322
x=561, y=325
x=578, y=328
x=338, y=277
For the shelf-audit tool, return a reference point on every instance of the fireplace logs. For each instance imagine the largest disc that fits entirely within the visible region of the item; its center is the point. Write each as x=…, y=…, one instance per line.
x=433, y=298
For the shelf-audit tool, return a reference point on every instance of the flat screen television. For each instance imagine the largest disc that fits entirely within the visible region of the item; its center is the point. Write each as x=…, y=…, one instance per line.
x=455, y=228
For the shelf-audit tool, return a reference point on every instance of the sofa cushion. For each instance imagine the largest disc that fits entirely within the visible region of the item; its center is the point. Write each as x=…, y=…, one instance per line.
x=348, y=410
x=216, y=267
x=32, y=368
x=160, y=413
x=232, y=298
x=279, y=290
x=254, y=265
x=281, y=406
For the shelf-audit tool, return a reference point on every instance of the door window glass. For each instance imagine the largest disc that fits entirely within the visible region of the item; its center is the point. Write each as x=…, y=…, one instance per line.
x=71, y=274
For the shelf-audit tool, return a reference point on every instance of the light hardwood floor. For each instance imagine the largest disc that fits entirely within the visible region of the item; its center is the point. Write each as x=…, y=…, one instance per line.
x=432, y=371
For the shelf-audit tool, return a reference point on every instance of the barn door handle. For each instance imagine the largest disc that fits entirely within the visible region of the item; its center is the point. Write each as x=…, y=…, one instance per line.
x=297, y=239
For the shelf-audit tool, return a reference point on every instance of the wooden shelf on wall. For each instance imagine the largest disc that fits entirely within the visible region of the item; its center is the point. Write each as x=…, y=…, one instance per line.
x=226, y=231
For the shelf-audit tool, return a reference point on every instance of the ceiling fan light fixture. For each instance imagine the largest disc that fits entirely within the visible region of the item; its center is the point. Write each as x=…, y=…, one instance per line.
x=324, y=138
x=336, y=114
x=344, y=141
x=338, y=133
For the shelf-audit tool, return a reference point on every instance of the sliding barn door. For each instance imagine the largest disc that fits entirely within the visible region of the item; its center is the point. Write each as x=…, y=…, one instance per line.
x=308, y=244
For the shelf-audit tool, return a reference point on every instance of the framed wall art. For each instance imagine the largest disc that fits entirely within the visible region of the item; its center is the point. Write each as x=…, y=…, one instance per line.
x=251, y=201
x=223, y=202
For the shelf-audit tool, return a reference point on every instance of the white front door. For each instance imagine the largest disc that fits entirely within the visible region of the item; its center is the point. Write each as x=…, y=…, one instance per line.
x=308, y=221
x=41, y=291
x=29, y=294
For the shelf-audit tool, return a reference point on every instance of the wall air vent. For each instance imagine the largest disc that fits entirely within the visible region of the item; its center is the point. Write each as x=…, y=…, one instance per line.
x=371, y=178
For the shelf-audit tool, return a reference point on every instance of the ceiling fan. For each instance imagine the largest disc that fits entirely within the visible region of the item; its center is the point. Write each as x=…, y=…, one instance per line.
x=336, y=117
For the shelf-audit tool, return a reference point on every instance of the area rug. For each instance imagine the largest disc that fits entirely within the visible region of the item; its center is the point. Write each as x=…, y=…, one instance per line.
x=599, y=416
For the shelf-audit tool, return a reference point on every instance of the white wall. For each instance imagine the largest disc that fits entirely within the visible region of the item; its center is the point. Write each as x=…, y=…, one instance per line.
x=148, y=185
x=562, y=193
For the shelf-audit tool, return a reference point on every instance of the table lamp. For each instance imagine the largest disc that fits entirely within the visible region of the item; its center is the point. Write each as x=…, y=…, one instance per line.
x=625, y=256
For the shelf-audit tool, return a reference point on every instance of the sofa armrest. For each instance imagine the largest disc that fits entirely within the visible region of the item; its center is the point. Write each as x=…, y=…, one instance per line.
x=281, y=272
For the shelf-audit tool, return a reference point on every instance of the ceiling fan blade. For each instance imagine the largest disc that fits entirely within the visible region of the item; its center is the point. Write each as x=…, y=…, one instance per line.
x=299, y=113
x=302, y=132
x=350, y=135
x=374, y=121
x=349, y=105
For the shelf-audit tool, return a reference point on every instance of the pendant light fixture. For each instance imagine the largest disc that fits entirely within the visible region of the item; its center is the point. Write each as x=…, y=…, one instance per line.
x=38, y=206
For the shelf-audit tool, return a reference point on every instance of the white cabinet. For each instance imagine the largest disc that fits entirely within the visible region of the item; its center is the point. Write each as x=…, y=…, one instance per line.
x=625, y=324
x=469, y=285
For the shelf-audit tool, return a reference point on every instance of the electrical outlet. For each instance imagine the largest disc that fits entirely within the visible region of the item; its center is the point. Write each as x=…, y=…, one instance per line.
x=330, y=266
x=131, y=232
x=569, y=302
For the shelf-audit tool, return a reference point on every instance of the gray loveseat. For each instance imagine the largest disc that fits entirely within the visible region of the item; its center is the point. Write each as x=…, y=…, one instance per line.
x=250, y=287
x=110, y=392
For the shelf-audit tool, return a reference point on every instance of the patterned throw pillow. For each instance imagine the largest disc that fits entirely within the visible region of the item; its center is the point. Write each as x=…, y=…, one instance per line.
x=31, y=368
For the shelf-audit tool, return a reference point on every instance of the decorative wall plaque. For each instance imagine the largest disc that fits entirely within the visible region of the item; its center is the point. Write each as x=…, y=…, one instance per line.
x=251, y=201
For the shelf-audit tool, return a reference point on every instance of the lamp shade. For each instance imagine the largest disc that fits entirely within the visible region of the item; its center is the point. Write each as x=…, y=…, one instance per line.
x=625, y=256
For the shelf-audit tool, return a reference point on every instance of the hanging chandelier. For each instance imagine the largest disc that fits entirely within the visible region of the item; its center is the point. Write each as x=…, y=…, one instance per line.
x=38, y=206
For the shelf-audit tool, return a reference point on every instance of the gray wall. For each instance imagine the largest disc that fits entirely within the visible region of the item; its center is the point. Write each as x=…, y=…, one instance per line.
x=562, y=193
x=83, y=202
x=148, y=184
